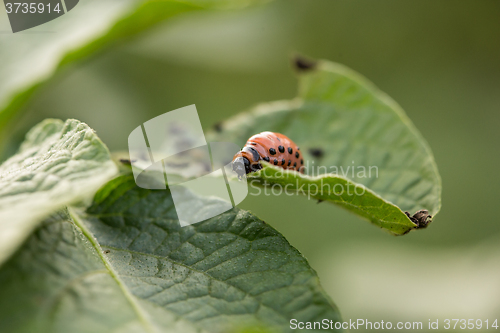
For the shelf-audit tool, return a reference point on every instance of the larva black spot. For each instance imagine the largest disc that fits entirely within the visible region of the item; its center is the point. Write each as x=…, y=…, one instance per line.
x=125, y=161
x=266, y=159
x=295, y=164
x=289, y=162
x=256, y=166
x=302, y=162
x=290, y=150
x=272, y=151
x=275, y=162
x=253, y=143
x=298, y=148
x=278, y=139
x=283, y=162
x=281, y=149
x=296, y=154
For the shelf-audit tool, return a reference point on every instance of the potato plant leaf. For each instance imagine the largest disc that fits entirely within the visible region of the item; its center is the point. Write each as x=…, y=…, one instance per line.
x=126, y=265
x=339, y=190
x=58, y=164
x=350, y=133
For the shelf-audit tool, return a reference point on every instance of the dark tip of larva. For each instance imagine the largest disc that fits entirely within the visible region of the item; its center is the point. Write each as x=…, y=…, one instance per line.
x=275, y=162
x=218, y=127
x=290, y=150
x=272, y=151
x=283, y=162
x=281, y=149
x=319, y=201
x=303, y=64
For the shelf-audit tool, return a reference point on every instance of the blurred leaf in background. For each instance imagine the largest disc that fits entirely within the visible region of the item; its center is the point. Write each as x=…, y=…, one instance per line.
x=31, y=58
x=439, y=61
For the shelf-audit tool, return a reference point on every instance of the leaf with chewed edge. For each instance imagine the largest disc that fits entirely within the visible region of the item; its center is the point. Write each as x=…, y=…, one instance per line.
x=351, y=134
x=339, y=190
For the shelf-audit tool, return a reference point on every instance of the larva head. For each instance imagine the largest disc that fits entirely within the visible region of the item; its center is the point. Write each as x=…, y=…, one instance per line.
x=241, y=165
x=247, y=160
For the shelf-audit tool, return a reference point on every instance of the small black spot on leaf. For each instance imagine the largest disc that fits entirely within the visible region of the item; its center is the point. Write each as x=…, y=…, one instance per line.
x=218, y=127
x=303, y=64
x=316, y=152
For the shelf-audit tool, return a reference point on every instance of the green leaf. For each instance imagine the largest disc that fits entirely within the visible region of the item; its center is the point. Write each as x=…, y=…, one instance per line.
x=341, y=191
x=60, y=282
x=58, y=164
x=125, y=264
x=344, y=125
x=92, y=26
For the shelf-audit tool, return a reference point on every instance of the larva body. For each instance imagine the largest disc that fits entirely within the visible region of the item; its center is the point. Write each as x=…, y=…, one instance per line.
x=271, y=147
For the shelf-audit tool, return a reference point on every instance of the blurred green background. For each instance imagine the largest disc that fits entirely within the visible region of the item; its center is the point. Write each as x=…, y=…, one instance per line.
x=439, y=59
